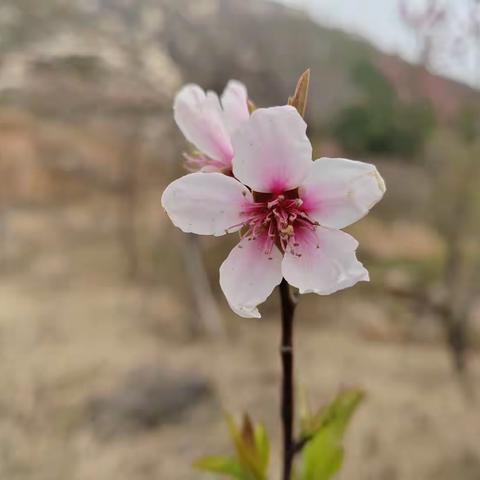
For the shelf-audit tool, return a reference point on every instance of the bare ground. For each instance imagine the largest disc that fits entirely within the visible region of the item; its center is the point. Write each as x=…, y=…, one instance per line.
x=70, y=331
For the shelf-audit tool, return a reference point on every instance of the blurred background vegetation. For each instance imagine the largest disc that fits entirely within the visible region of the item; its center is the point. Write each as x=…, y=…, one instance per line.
x=117, y=349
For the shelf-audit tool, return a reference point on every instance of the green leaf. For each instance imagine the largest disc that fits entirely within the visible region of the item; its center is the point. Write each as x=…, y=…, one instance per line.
x=337, y=413
x=323, y=453
x=245, y=447
x=248, y=432
x=222, y=465
x=252, y=452
x=263, y=447
x=322, y=458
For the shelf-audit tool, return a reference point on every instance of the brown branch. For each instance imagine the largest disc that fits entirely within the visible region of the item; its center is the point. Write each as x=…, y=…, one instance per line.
x=288, y=303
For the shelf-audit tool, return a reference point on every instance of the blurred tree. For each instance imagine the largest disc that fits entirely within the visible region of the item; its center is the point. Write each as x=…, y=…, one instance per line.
x=453, y=161
x=455, y=169
x=468, y=125
x=380, y=123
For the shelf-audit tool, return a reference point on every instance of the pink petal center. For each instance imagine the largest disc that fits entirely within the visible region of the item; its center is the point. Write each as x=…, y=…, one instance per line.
x=280, y=218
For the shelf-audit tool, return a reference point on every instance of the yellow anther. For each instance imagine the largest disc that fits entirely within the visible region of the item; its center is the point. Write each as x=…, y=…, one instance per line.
x=288, y=230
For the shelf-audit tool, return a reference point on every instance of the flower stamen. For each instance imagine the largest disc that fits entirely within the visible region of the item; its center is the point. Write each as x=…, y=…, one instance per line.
x=277, y=219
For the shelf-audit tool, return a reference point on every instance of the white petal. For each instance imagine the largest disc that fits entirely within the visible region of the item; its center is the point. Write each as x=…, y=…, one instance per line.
x=272, y=151
x=200, y=118
x=248, y=276
x=327, y=262
x=206, y=203
x=235, y=105
x=337, y=192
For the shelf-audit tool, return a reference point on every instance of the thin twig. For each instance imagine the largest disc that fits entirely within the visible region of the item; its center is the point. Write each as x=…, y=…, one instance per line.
x=286, y=351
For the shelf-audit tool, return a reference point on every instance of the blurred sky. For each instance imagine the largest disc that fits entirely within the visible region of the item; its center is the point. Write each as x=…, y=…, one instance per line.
x=379, y=21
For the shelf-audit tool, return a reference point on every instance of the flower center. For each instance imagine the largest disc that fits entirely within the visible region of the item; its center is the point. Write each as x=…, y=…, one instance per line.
x=277, y=218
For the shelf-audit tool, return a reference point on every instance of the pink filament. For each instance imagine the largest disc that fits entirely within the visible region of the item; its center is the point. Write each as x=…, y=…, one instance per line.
x=280, y=220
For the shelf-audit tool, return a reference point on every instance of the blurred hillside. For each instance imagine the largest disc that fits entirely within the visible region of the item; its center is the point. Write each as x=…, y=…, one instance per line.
x=100, y=356
x=105, y=72
x=86, y=92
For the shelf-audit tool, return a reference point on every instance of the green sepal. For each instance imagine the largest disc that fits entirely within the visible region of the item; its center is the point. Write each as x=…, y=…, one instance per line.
x=300, y=96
